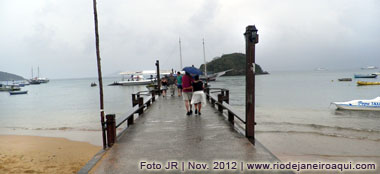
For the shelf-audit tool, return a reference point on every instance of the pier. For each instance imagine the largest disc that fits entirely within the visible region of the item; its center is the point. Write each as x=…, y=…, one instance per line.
x=163, y=133
x=163, y=139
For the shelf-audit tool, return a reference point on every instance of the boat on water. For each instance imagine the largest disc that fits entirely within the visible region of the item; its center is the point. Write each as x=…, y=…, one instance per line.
x=212, y=77
x=365, y=75
x=9, y=88
x=345, y=79
x=360, y=83
x=38, y=80
x=366, y=105
x=17, y=92
x=369, y=67
x=135, y=78
x=93, y=84
x=377, y=73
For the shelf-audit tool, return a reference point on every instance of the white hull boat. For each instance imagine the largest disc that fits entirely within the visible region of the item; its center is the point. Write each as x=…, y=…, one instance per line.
x=131, y=83
x=365, y=105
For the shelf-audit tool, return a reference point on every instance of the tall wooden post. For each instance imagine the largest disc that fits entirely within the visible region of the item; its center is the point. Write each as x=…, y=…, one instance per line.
x=251, y=38
x=99, y=75
x=158, y=77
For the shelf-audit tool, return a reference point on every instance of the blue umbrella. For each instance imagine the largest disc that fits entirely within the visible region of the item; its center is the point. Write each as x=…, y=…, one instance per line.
x=192, y=70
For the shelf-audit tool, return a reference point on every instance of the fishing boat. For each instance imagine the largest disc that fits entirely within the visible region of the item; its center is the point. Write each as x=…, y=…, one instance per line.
x=367, y=83
x=17, y=92
x=365, y=75
x=345, y=79
x=370, y=105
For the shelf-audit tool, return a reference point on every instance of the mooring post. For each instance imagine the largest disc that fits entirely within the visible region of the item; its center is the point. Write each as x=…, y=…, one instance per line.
x=251, y=38
x=207, y=90
x=158, y=78
x=153, y=96
x=227, y=96
x=134, y=101
x=141, y=103
x=111, y=129
x=220, y=101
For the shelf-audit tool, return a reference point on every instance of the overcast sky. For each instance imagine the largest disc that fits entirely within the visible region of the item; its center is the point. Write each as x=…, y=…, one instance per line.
x=58, y=35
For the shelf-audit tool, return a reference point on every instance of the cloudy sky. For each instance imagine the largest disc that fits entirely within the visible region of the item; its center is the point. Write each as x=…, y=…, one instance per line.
x=58, y=35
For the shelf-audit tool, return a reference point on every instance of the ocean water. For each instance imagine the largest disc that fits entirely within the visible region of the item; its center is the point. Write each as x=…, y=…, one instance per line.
x=294, y=114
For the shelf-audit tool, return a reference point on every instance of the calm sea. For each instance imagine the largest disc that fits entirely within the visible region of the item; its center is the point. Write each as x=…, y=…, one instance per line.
x=291, y=103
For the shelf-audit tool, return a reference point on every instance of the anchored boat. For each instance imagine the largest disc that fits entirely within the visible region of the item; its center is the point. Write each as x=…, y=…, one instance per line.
x=365, y=75
x=17, y=92
x=369, y=105
x=367, y=83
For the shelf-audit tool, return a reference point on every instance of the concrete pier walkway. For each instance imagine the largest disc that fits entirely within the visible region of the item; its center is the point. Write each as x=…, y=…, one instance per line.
x=164, y=133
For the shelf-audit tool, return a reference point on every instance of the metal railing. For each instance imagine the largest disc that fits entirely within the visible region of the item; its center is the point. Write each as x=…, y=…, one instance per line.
x=139, y=103
x=222, y=100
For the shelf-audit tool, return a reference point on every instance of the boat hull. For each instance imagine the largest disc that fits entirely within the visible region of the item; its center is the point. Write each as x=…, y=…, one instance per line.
x=365, y=75
x=17, y=92
x=367, y=83
x=360, y=105
x=132, y=83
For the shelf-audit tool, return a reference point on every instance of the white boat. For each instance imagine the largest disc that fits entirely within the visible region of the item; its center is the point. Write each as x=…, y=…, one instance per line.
x=135, y=78
x=369, y=67
x=369, y=105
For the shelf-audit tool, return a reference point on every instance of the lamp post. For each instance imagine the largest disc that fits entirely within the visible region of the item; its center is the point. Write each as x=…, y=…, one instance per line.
x=251, y=38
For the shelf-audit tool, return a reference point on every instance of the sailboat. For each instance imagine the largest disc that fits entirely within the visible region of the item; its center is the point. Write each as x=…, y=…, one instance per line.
x=37, y=80
x=211, y=77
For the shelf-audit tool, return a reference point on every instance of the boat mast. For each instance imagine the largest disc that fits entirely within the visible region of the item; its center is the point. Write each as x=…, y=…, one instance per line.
x=38, y=70
x=32, y=73
x=204, y=56
x=180, y=53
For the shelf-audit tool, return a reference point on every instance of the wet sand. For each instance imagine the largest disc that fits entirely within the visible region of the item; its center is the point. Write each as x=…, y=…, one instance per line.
x=315, y=148
x=33, y=154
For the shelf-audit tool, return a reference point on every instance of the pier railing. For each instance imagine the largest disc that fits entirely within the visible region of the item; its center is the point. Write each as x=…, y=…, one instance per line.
x=139, y=103
x=222, y=100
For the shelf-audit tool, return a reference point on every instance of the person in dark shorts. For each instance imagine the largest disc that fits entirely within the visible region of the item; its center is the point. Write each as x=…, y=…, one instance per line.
x=187, y=92
x=179, y=84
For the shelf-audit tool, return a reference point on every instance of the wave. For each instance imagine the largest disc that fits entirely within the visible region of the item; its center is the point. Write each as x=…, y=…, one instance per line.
x=320, y=133
x=57, y=128
x=316, y=126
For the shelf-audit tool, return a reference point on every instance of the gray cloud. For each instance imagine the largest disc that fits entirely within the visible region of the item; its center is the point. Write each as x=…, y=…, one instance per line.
x=58, y=35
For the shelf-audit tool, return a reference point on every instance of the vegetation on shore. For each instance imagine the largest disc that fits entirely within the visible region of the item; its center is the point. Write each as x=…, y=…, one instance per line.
x=4, y=76
x=234, y=61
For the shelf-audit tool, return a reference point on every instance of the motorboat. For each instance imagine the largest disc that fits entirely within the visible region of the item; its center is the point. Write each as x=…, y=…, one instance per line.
x=370, y=105
x=367, y=83
x=212, y=77
x=365, y=75
x=9, y=88
x=345, y=79
x=17, y=92
x=135, y=78
x=369, y=67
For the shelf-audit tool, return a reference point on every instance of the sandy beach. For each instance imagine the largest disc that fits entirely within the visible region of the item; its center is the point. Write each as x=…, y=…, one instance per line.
x=33, y=154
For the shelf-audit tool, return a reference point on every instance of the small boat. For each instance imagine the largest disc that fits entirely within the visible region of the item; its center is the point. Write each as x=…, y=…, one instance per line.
x=345, y=79
x=370, y=105
x=134, y=78
x=365, y=75
x=17, y=92
x=93, y=84
x=377, y=73
x=367, y=83
x=369, y=67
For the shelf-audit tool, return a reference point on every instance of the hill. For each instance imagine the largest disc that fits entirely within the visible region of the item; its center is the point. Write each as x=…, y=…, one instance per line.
x=4, y=76
x=235, y=61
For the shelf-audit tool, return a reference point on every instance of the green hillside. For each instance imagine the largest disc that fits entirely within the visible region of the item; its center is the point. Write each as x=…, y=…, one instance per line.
x=4, y=76
x=235, y=61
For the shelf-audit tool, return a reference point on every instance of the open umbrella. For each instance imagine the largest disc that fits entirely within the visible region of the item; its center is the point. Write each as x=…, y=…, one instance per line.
x=192, y=70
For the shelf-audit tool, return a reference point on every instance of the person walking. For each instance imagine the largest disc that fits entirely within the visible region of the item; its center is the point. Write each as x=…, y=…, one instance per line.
x=198, y=95
x=164, y=84
x=187, y=92
x=179, y=84
x=171, y=84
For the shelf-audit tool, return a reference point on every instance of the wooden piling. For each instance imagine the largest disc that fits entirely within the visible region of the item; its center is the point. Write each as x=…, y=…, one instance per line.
x=141, y=103
x=111, y=129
